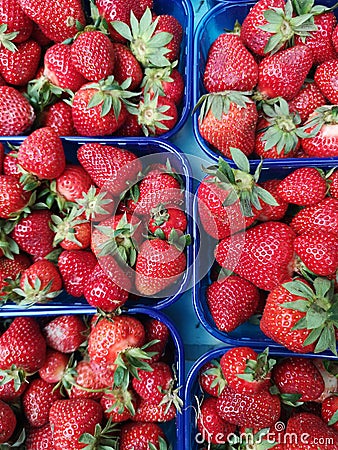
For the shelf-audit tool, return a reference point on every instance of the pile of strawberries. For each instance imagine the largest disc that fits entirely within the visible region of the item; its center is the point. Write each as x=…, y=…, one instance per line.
x=113, y=71
x=271, y=88
x=276, y=252
x=102, y=229
x=251, y=400
x=68, y=384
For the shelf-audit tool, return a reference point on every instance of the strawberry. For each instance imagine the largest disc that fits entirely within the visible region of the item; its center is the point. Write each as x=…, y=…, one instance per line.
x=288, y=311
x=119, y=404
x=300, y=376
x=16, y=20
x=232, y=125
x=65, y=13
x=153, y=412
x=305, y=186
x=11, y=268
x=40, y=438
x=59, y=68
x=153, y=386
x=308, y=99
x=163, y=221
x=109, y=167
x=13, y=384
x=112, y=11
x=71, y=232
x=131, y=127
x=85, y=381
x=211, y=426
x=321, y=217
x=248, y=410
x=246, y=371
x=283, y=74
x=333, y=184
x=308, y=430
x=7, y=422
x=13, y=197
x=329, y=411
x=25, y=235
x=211, y=378
x=165, y=81
x=231, y=301
x=59, y=118
x=230, y=66
x=37, y=401
x=166, y=23
x=126, y=66
x=10, y=164
x=69, y=419
x=2, y=157
x=65, y=333
x=95, y=205
x=16, y=114
x=54, y=366
x=2, y=81
x=270, y=212
x=158, y=266
x=92, y=55
x=73, y=183
x=156, y=331
x=142, y=436
x=23, y=345
x=41, y=154
x=39, y=36
x=326, y=81
x=262, y=255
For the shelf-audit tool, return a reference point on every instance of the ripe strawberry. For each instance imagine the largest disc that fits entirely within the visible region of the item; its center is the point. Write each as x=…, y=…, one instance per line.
x=115, y=11
x=19, y=67
x=156, y=114
x=92, y=54
x=283, y=74
x=39, y=438
x=325, y=80
x=231, y=301
x=69, y=419
x=309, y=429
x=16, y=114
x=305, y=186
x=131, y=127
x=212, y=427
x=263, y=255
x=71, y=232
x=248, y=410
x=2, y=157
x=169, y=24
x=65, y=333
x=41, y=154
x=13, y=384
x=154, y=412
x=246, y=371
x=230, y=66
x=54, y=366
x=29, y=241
x=163, y=221
x=109, y=167
x=141, y=435
x=95, y=205
x=165, y=81
x=10, y=164
x=329, y=411
x=119, y=404
x=22, y=344
x=85, y=381
x=271, y=212
x=39, y=36
x=59, y=118
x=37, y=401
x=333, y=184
x=7, y=422
x=126, y=66
x=156, y=330
x=13, y=197
x=211, y=378
x=2, y=81
x=321, y=217
x=59, y=68
x=65, y=13
x=307, y=101
x=11, y=268
x=158, y=266
x=16, y=20
x=233, y=126
x=73, y=183
x=296, y=375
x=155, y=384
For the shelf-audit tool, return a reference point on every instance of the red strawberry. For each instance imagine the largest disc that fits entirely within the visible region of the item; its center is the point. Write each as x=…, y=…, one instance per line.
x=92, y=54
x=131, y=127
x=59, y=68
x=2, y=157
x=71, y=232
x=113, y=11
x=231, y=301
x=88, y=380
x=155, y=384
x=41, y=154
x=166, y=81
x=22, y=344
x=16, y=20
x=95, y=205
x=263, y=255
x=59, y=118
x=246, y=371
x=13, y=384
x=307, y=101
x=65, y=333
x=158, y=266
x=260, y=410
x=2, y=81
x=119, y=404
x=109, y=167
x=154, y=412
x=73, y=182
x=19, y=67
x=40, y=438
x=57, y=19
x=283, y=74
x=163, y=221
x=156, y=330
x=7, y=422
x=39, y=36
x=13, y=197
x=16, y=114
x=126, y=65
x=10, y=164
x=305, y=186
x=29, y=241
x=156, y=114
x=329, y=411
x=141, y=435
x=11, y=268
x=37, y=401
x=230, y=66
x=69, y=419
x=318, y=251
x=54, y=366
x=169, y=24
x=270, y=212
x=325, y=79
x=298, y=376
x=211, y=378
x=211, y=426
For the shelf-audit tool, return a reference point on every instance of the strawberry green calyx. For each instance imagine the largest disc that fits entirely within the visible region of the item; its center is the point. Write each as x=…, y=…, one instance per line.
x=123, y=400
x=250, y=439
x=7, y=38
x=162, y=445
x=324, y=115
x=42, y=93
x=103, y=438
x=64, y=228
x=171, y=395
x=92, y=204
x=7, y=245
x=320, y=305
x=180, y=241
x=15, y=375
x=30, y=295
x=155, y=76
x=259, y=369
x=216, y=372
x=149, y=49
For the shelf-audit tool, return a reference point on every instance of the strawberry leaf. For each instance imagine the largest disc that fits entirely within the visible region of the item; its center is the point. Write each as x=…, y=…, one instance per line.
x=334, y=418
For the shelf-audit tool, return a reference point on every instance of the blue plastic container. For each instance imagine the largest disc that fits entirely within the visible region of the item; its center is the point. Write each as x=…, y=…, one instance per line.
x=151, y=146
x=193, y=388
x=220, y=18
x=247, y=333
